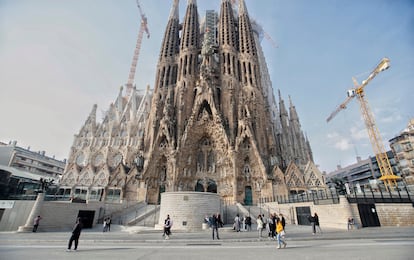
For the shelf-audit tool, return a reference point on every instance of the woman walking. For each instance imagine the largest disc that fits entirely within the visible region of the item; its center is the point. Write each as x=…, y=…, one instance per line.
x=259, y=225
x=280, y=234
x=316, y=220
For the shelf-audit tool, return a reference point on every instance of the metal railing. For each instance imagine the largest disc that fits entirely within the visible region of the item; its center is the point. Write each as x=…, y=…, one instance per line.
x=318, y=197
x=381, y=195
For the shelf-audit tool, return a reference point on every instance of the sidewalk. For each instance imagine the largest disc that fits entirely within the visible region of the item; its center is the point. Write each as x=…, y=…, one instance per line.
x=137, y=234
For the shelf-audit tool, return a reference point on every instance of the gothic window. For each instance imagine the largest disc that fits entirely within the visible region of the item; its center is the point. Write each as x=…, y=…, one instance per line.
x=210, y=161
x=246, y=170
x=206, y=142
x=185, y=66
x=167, y=77
x=191, y=64
x=163, y=142
x=246, y=144
x=163, y=174
x=228, y=63
x=246, y=167
x=200, y=160
x=223, y=65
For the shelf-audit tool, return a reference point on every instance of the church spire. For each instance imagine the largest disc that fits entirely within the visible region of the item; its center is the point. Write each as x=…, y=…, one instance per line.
x=120, y=101
x=190, y=38
x=242, y=8
x=284, y=117
x=292, y=112
x=174, y=13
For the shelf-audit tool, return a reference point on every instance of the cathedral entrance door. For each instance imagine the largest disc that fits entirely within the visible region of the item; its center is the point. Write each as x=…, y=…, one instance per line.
x=161, y=190
x=248, y=199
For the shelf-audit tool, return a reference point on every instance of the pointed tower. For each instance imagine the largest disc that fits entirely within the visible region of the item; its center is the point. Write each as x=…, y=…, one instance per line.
x=301, y=153
x=216, y=136
x=187, y=65
x=229, y=67
x=166, y=77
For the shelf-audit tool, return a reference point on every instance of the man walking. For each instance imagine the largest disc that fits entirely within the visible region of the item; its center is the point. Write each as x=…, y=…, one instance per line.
x=75, y=235
x=215, y=222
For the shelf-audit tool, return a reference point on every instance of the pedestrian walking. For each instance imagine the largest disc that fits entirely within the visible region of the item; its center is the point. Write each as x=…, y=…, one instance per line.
x=312, y=221
x=214, y=224
x=108, y=224
x=248, y=222
x=36, y=222
x=316, y=219
x=220, y=221
x=274, y=221
x=280, y=235
x=259, y=222
x=104, y=226
x=75, y=235
x=237, y=223
x=282, y=218
x=269, y=227
x=167, y=227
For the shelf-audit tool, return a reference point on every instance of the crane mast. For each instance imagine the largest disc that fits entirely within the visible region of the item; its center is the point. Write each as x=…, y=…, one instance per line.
x=387, y=175
x=143, y=28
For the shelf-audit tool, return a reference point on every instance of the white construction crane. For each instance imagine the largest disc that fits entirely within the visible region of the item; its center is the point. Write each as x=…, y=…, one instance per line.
x=388, y=176
x=143, y=28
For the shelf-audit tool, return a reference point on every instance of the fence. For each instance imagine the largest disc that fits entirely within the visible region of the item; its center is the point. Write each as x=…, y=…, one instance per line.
x=379, y=195
x=317, y=197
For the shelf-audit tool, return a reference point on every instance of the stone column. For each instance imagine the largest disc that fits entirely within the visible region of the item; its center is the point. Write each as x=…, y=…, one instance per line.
x=233, y=154
x=28, y=227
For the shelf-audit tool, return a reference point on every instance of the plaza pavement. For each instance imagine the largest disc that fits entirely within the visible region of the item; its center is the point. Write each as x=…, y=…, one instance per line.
x=146, y=243
x=141, y=234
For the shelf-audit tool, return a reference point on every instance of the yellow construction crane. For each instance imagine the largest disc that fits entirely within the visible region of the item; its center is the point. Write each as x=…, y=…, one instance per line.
x=388, y=176
x=143, y=28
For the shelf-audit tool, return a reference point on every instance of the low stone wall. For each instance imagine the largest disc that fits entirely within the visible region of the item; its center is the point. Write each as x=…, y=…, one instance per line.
x=61, y=216
x=188, y=209
x=394, y=214
x=16, y=216
x=330, y=215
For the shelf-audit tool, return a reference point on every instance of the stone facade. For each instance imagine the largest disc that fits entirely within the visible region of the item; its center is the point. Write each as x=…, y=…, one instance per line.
x=211, y=124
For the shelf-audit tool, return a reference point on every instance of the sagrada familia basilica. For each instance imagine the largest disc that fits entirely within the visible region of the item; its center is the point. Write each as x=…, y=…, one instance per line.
x=211, y=123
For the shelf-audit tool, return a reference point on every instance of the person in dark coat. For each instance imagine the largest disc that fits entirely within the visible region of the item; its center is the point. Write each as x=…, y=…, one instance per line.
x=316, y=218
x=283, y=220
x=215, y=223
x=75, y=234
x=312, y=221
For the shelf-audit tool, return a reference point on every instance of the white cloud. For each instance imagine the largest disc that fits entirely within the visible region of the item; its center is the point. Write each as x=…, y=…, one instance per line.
x=343, y=144
x=358, y=133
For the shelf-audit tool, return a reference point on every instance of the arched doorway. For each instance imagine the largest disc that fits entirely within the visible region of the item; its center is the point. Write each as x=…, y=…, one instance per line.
x=212, y=186
x=206, y=185
x=199, y=186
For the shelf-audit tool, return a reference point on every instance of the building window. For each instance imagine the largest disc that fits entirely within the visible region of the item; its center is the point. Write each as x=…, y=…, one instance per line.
x=114, y=195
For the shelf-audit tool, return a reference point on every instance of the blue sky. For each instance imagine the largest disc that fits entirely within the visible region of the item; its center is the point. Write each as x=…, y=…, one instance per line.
x=58, y=58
